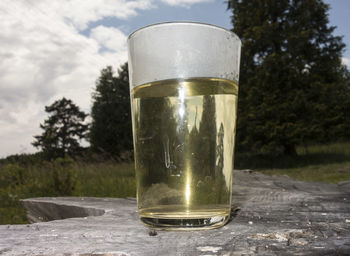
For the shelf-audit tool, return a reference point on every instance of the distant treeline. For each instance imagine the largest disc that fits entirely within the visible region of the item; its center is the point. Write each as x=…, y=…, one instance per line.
x=109, y=133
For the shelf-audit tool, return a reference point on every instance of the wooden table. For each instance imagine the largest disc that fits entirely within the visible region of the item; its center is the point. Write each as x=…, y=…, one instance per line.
x=277, y=216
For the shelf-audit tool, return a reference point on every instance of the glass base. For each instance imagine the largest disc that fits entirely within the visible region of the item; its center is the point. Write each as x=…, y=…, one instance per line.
x=194, y=220
x=185, y=224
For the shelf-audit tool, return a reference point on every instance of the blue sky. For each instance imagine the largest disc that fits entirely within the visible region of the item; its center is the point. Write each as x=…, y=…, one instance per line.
x=55, y=48
x=213, y=12
x=339, y=16
x=216, y=12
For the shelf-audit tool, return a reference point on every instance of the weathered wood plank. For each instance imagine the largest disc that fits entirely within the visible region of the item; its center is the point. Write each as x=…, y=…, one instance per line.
x=278, y=216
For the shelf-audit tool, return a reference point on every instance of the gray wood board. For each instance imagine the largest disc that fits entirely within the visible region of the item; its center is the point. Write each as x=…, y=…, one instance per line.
x=278, y=216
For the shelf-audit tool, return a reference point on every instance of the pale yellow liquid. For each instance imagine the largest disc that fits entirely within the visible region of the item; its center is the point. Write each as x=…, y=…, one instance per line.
x=184, y=133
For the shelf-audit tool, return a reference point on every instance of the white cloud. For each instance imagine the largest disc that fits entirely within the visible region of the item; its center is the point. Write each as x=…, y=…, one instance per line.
x=346, y=61
x=184, y=3
x=109, y=37
x=81, y=12
x=44, y=56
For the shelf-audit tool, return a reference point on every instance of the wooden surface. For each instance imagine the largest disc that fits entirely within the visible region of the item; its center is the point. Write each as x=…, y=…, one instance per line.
x=278, y=216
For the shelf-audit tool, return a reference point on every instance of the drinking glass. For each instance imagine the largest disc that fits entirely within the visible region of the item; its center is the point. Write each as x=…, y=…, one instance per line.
x=184, y=85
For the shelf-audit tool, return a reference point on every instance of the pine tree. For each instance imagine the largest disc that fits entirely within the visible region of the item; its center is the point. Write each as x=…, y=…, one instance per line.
x=207, y=146
x=293, y=87
x=111, y=130
x=62, y=130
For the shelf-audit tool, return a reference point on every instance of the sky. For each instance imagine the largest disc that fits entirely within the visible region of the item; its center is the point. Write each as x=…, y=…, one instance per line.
x=55, y=48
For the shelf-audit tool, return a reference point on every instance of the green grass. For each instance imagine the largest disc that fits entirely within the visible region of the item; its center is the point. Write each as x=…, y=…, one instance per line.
x=62, y=177
x=321, y=163
x=106, y=180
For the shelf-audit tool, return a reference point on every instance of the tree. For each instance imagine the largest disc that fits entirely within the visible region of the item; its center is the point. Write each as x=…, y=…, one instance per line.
x=111, y=129
x=293, y=87
x=207, y=130
x=62, y=130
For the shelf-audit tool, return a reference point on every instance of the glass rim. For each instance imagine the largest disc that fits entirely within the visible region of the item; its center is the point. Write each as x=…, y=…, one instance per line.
x=170, y=23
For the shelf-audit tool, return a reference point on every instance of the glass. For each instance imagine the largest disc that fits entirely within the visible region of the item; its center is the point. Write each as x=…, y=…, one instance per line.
x=183, y=85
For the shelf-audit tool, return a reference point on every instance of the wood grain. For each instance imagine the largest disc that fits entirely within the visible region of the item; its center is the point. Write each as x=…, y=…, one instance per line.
x=271, y=216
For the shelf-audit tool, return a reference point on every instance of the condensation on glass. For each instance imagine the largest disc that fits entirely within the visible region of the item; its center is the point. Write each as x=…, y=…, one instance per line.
x=184, y=86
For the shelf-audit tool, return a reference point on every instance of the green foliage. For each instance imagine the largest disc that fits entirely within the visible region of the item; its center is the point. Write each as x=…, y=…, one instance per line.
x=12, y=175
x=293, y=87
x=105, y=180
x=62, y=177
x=62, y=130
x=23, y=159
x=111, y=131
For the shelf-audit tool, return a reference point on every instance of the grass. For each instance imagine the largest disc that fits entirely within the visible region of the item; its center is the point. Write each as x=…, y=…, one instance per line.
x=106, y=180
x=62, y=177
x=321, y=163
